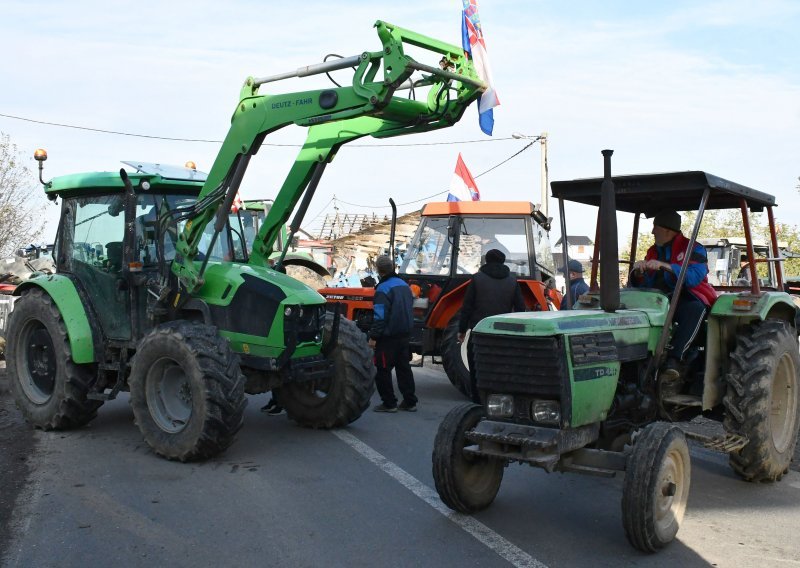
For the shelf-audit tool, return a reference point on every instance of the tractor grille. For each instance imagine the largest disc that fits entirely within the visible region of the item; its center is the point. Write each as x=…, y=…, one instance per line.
x=520, y=365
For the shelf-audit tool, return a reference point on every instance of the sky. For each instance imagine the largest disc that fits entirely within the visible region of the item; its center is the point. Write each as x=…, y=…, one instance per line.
x=681, y=85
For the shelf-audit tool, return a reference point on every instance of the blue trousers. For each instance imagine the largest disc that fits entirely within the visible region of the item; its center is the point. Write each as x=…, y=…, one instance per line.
x=689, y=318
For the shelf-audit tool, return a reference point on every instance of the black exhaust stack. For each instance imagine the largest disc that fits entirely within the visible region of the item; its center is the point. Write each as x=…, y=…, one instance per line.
x=609, y=256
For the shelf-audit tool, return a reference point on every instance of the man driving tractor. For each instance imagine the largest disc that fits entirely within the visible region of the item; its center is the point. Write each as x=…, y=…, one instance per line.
x=660, y=269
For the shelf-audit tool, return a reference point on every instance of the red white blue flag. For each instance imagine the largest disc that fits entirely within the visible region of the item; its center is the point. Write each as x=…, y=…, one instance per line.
x=463, y=186
x=474, y=44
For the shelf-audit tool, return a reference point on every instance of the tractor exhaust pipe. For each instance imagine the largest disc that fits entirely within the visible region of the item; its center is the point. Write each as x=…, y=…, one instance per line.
x=609, y=256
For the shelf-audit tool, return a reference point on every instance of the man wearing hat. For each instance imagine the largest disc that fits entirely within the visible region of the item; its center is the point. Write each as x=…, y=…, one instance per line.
x=389, y=335
x=577, y=285
x=492, y=290
x=660, y=269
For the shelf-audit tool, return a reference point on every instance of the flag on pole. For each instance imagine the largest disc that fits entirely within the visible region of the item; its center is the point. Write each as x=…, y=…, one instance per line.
x=463, y=186
x=474, y=45
x=237, y=204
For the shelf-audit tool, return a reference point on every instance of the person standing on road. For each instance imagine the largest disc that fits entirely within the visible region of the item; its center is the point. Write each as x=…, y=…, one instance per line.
x=389, y=336
x=577, y=285
x=492, y=290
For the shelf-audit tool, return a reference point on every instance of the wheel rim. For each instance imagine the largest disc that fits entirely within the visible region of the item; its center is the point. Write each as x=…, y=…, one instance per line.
x=169, y=395
x=475, y=472
x=671, y=492
x=783, y=403
x=39, y=368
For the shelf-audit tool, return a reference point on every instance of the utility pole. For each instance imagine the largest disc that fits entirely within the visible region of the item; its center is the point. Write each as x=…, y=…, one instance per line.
x=542, y=140
x=545, y=174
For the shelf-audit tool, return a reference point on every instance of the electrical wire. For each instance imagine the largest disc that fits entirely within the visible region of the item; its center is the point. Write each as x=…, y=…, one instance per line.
x=203, y=140
x=445, y=191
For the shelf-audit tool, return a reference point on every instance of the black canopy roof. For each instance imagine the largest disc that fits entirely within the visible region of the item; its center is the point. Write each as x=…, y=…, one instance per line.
x=651, y=193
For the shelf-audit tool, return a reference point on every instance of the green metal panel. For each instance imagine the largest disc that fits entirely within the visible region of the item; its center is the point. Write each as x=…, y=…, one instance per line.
x=593, y=388
x=64, y=294
x=762, y=306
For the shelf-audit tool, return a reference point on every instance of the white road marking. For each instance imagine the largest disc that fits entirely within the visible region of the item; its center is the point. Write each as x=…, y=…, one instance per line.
x=481, y=532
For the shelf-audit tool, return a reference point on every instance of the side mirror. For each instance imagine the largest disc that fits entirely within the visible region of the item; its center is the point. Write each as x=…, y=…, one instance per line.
x=452, y=226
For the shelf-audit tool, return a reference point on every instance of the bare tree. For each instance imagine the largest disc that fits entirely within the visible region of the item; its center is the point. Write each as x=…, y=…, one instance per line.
x=21, y=202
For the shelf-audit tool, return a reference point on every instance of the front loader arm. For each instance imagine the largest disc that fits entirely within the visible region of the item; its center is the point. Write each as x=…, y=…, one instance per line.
x=333, y=117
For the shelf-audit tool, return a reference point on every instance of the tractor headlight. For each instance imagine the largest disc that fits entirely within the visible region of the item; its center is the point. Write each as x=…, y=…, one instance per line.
x=546, y=411
x=288, y=311
x=500, y=406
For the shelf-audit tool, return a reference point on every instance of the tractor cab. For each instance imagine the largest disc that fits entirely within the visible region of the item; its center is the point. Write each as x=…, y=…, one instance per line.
x=451, y=243
x=448, y=247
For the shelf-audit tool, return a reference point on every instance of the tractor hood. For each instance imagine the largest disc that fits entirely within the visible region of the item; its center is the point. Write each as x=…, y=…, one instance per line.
x=223, y=280
x=640, y=309
x=543, y=324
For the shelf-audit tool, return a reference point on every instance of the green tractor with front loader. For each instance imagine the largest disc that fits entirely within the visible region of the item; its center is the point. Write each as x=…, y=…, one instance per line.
x=158, y=293
x=580, y=390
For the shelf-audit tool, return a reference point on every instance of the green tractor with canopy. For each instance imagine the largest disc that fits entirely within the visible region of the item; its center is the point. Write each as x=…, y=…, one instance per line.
x=580, y=390
x=158, y=293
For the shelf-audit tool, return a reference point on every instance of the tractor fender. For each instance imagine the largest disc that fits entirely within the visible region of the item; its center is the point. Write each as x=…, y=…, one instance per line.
x=300, y=260
x=447, y=306
x=724, y=323
x=533, y=292
x=774, y=305
x=62, y=290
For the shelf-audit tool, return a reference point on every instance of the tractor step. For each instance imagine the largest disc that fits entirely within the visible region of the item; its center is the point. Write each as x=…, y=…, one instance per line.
x=683, y=400
x=727, y=443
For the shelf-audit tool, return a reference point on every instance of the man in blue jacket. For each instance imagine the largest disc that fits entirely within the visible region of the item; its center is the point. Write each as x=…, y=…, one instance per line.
x=577, y=285
x=389, y=335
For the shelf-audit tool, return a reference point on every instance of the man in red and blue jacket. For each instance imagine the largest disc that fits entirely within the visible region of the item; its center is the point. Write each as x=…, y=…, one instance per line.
x=660, y=269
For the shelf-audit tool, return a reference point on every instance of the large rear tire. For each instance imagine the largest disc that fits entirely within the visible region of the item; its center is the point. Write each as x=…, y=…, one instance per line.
x=656, y=487
x=454, y=357
x=187, y=391
x=341, y=398
x=466, y=483
x=763, y=399
x=48, y=386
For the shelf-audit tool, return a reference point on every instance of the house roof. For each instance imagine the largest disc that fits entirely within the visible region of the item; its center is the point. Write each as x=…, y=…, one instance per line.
x=577, y=240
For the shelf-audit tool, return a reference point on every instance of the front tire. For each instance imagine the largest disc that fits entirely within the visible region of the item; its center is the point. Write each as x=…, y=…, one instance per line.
x=187, y=391
x=48, y=386
x=656, y=486
x=762, y=400
x=454, y=357
x=341, y=398
x=466, y=483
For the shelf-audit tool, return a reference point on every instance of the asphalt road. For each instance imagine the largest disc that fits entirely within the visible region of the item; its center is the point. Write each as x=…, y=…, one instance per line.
x=360, y=496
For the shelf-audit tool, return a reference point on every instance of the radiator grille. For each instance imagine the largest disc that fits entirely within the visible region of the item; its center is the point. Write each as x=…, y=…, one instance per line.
x=524, y=365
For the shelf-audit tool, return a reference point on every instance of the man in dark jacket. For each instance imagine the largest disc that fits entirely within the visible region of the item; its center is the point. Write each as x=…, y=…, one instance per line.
x=389, y=335
x=577, y=285
x=491, y=291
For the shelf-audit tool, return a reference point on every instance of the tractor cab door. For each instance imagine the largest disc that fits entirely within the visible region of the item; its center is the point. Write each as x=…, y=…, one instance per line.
x=92, y=231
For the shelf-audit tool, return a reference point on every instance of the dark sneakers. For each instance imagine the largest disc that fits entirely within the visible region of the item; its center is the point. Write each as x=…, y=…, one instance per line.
x=384, y=408
x=272, y=408
x=408, y=406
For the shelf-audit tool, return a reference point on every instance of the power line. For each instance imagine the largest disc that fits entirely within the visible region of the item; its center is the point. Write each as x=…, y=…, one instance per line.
x=439, y=192
x=172, y=139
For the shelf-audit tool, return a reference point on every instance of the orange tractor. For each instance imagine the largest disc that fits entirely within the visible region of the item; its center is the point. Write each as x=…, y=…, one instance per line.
x=446, y=250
